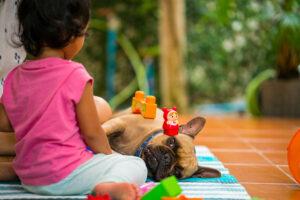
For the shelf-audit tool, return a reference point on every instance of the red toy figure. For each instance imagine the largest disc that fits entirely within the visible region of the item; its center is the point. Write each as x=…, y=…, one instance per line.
x=104, y=197
x=170, y=125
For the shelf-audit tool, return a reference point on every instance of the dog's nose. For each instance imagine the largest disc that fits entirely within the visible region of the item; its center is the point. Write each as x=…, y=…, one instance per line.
x=150, y=159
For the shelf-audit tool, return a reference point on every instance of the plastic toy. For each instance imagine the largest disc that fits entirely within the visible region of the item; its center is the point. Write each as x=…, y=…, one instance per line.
x=144, y=106
x=181, y=197
x=170, y=125
x=101, y=197
x=146, y=187
x=168, y=187
x=293, y=156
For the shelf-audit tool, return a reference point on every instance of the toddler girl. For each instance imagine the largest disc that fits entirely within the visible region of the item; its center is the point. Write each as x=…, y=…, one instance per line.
x=49, y=104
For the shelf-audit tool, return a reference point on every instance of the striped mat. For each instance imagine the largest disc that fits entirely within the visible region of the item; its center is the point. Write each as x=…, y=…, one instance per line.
x=223, y=188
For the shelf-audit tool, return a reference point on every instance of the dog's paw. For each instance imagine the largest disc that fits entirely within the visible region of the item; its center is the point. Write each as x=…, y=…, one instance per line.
x=206, y=172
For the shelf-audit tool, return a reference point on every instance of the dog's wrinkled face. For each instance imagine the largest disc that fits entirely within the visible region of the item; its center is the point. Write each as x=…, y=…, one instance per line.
x=165, y=156
x=175, y=155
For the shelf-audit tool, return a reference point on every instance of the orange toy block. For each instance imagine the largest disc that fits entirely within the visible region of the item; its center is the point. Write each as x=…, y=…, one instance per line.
x=181, y=197
x=144, y=106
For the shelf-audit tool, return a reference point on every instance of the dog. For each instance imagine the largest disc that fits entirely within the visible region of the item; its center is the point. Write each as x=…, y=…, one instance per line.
x=132, y=134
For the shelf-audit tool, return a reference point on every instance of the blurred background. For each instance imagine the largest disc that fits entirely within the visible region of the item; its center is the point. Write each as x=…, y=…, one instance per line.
x=207, y=56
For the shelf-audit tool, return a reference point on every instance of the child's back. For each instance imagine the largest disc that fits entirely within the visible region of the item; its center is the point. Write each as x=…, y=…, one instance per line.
x=40, y=98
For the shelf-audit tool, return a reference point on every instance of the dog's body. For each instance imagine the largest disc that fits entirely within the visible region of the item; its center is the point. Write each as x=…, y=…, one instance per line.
x=131, y=134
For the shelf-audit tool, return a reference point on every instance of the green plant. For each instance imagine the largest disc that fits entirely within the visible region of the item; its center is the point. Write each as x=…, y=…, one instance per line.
x=287, y=39
x=230, y=42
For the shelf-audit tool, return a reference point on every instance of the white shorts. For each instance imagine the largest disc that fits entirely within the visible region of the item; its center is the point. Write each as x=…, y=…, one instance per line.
x=99, y=169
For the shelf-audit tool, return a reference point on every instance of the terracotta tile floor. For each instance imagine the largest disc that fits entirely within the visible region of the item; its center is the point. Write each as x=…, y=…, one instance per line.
x=254, y=150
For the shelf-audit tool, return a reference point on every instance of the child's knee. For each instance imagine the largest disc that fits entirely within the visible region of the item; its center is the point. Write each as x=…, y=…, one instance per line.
x=130, y=169
x=139, y=170
x=141, y=164
x=103, y=109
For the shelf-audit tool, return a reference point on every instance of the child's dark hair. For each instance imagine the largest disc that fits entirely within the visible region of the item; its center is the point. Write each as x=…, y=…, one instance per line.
x=51, y=23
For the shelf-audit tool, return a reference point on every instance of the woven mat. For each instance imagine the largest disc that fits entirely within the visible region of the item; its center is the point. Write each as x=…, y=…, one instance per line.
x=223, y=188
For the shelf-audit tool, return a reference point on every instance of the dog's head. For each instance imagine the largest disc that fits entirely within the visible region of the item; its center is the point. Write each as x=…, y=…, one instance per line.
x=175, y=155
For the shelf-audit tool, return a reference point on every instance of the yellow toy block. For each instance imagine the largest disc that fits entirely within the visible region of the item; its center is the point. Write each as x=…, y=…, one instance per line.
x=144, y=106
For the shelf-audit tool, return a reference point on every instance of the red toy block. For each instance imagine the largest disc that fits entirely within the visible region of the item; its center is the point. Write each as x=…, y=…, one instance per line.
x=98, y=197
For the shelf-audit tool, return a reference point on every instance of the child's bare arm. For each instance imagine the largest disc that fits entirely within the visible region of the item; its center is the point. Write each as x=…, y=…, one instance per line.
x=89, y=123
x=5, y=125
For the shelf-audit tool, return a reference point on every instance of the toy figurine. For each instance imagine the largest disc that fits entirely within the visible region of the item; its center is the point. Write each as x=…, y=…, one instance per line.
x=144, y=106
x=170, y=125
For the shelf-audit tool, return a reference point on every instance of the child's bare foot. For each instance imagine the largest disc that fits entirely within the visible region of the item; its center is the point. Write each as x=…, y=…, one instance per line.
x=118, y=191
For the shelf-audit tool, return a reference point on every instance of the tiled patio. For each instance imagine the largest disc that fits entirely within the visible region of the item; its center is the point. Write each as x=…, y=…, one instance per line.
x=255, y=152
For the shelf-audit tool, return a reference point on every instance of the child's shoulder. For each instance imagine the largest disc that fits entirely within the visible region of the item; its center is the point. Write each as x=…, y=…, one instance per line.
x=57, y=60
x=75, y=64
x=50, y=62
x=70, y=63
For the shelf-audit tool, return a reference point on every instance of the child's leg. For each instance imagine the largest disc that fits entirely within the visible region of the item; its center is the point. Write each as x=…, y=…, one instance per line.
x=97, y=174
x=124, y=170
x=103, y=109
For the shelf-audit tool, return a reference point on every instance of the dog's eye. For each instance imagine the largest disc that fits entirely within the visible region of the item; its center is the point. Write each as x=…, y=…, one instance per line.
x=171, y=142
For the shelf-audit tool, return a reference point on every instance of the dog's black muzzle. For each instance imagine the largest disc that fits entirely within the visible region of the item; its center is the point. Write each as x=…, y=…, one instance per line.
x=160, y=161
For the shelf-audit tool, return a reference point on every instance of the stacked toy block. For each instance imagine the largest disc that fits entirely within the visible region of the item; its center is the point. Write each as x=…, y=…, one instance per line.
x=144, y=106
x=168, y=187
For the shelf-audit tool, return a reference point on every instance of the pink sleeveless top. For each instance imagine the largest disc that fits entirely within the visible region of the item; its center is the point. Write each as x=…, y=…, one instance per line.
x=39, y=98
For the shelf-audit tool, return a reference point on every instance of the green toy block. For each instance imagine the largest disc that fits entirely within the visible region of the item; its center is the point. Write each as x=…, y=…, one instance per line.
x=155, y=194
x=168, y=187
x=171, y=186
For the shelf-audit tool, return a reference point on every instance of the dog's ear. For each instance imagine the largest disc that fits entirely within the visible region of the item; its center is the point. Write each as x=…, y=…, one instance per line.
x=193, y=127
x=206, y=172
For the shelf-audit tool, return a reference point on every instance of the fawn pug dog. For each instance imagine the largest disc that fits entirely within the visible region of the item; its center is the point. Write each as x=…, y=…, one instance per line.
x=164, y=155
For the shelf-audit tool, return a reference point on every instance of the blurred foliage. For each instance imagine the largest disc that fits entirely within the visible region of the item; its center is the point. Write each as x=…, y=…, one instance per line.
x=228, y=42
x=138, y=22
x=287, y=40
